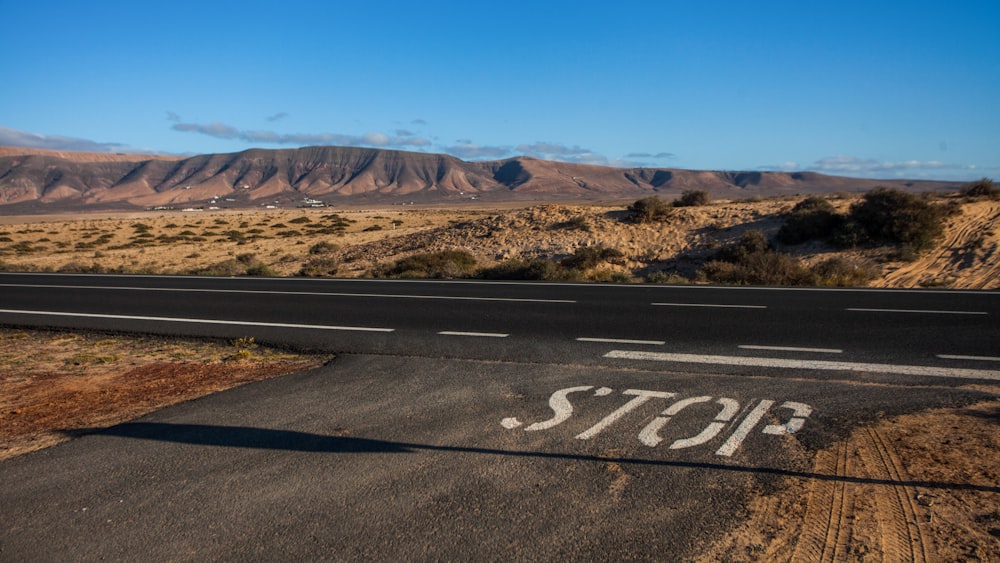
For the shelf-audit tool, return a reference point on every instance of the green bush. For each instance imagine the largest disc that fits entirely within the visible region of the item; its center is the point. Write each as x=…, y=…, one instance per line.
x=750, y=242
x=895, y=217
x=812, y=218
x=444, y=264
x=751, y=261
x=650, y=210
x=693, y=198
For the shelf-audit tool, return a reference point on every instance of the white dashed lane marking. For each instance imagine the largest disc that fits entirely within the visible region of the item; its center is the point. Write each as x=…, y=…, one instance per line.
x=973, y=358
x=917, y=311
x=622, y=341
x=297, y=293
x=710, y=305
x=475, y=334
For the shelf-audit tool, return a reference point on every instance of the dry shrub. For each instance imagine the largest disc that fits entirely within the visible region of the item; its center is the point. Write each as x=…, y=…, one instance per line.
x=693, y=198
x=841, y=271
x=650, y=210
x=320, y=266
x=517, y=269
x=982, y=188
x=444, y=264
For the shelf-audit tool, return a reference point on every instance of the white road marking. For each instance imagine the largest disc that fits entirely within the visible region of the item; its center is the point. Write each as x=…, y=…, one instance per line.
x=650, y=435
x=920, y=311
x=622, y=341
x=510, y=423
x=790, y=349
x=733, y=443
x=197, y=321
x=641, y=397
x=309, y=293
x=477, y=334
x=714, y=305
x=729, y=409
x=800, y=412
x=929, y=371
x=973, y=358
x=562, y=409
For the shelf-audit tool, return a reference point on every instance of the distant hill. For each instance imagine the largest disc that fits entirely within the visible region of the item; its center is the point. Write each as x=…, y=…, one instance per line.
x=38, y=181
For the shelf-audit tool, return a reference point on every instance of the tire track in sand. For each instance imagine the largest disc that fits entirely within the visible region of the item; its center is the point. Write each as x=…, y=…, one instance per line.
x=896, y=509
x=824, y=533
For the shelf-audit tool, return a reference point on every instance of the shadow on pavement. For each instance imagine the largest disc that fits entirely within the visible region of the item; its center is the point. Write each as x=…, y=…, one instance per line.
x=289, y=440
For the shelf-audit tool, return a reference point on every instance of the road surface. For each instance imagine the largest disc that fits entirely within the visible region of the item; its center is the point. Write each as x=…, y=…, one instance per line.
x=480, y=421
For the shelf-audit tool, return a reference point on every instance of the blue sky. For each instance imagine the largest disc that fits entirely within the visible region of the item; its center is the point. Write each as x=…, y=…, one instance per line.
x=876, y=89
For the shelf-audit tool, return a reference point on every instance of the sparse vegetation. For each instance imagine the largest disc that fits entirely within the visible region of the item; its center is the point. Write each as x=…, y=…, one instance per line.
x=895, y=217
x=549, y=242
x=982, y=188
x=882, y=217
x=323, y=247
x=810, y=219
x=650, y=210
x=693, y=198
x=587, y=257
x=444, y=264
x=517, y=269
x=319, y=266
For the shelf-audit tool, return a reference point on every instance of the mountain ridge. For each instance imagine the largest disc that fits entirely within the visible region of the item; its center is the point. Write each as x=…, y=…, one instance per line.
x=34, y=180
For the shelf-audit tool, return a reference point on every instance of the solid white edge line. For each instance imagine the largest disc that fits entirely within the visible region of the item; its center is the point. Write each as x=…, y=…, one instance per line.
x=790, y=349
x=710, y=305
x=929, y=311
x=309, y=293
x=622, y=341
x=540, y=284
x=746, y=361
x=197, y=321
x=482, y=334
x=974, y=358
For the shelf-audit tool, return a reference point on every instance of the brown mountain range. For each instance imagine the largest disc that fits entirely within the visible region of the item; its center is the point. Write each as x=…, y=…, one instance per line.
x=38, y=181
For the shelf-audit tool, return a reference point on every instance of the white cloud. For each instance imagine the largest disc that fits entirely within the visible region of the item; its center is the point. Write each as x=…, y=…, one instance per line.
x=224, y=131
x=470, y=150
x=658, y=156
x=850, y=164
x=17, y=138
x=844, y=165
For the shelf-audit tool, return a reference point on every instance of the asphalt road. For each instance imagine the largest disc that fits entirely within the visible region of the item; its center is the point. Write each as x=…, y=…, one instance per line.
x=729, y=329
x=479, y=421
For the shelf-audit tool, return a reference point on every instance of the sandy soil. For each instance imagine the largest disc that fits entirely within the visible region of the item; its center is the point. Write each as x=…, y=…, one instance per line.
x=356, y=241
x=920, y=487
x=53, y=384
